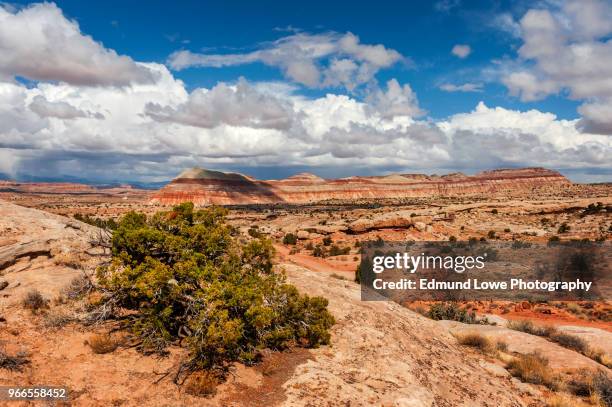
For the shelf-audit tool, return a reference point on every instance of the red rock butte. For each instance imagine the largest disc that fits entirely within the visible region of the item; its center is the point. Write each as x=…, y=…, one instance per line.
x=206, y=187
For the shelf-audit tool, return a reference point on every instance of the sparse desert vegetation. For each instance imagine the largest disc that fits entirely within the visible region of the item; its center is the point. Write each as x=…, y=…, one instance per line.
x=34, y=301
x=144, y=298
x=102, y=343
x=533, y=368
x=13, y=362
x=564, y=339
x=184, y=276
x=477, y=340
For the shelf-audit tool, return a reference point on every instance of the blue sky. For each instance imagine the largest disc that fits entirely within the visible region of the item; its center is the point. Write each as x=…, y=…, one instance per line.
x=133, y=91
x=425, y=32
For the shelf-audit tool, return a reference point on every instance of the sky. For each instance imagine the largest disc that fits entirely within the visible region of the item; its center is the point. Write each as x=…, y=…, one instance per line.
x=120, y=92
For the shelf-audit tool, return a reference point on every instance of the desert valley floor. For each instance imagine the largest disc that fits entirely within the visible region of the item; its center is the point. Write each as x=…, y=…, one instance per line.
x=381, y=353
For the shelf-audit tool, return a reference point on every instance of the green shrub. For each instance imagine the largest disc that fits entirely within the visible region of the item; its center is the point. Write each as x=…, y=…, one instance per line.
x=327, y=241
x=181, y=275
x=564, y=228
x=362, y=269
x=290, y=239
x=530, y=328
x=451, y=311
x=570, y=341
x=337, y=251
x=254, y=232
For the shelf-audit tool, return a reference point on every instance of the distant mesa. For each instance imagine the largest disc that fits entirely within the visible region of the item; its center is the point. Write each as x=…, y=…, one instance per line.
x=208, y=187
x=203, y=174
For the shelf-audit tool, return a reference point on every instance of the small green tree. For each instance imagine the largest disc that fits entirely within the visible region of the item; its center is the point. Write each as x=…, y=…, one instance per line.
x=290, y=239
x=338, y=251
x=254, y=232
x=181, y=274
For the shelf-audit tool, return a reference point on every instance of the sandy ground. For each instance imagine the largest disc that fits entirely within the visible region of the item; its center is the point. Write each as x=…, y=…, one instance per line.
x=381, y=353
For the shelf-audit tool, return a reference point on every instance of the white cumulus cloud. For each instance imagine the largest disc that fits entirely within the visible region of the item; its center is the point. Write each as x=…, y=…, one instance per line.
x=567, y=48
x=39, y=43
x=238, y=105
x=314, y=60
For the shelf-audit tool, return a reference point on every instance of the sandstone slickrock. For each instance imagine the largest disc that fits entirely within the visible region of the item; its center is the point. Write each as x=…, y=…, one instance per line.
x=383, y=354
x=521, y=342
x=42, y=251
x=205, y=187
x=395, y=219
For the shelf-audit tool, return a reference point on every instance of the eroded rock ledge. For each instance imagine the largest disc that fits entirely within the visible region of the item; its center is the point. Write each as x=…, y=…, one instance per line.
x=205, y=187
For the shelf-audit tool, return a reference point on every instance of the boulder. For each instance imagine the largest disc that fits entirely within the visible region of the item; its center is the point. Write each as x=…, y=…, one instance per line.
x=420, y=226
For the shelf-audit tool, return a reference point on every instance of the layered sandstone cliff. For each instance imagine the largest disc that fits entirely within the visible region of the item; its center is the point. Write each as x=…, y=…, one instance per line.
x=205, y=187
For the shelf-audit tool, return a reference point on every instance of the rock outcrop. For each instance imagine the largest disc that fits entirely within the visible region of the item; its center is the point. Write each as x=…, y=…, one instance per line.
x=205, y=187
x=386, y=355
x=43, y=251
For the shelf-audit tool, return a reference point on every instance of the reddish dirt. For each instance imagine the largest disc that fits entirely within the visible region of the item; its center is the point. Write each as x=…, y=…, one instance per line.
x=275, y=370
x=557, y=317
x=314, y=263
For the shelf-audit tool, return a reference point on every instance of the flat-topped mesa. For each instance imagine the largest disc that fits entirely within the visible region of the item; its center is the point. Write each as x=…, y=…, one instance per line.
x=206, y=187
x=45, y=187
